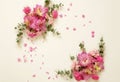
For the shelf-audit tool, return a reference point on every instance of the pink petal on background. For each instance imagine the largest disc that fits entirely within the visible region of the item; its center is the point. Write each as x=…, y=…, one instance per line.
x=90, y=21
x=47, y=73
x=19, y=60
x=61, y=16
x=31, y=60
x=25, y=60
x=70, y=4
x=83, y=16
x=34, y=75
x=92, y=34
x=74, y=29
x=49, y=77
x=65, y=15
x=42, y=63
x=68, y=9
x=84, y=25
x=25, y=44
x=67, y=28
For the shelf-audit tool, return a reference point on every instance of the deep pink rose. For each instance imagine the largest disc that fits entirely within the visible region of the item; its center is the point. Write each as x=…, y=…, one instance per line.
x=55, y=14
x=77, y=76
x=95, y=77
x=100, y=59
x=27, y=10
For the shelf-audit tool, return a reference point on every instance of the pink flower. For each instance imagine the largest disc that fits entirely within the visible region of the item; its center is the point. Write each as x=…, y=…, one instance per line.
x=99, y=59
x=75, y=65
x=40, y=11
x=86, y=76
x=77, y=76
x=55, y=14
x=27, y=10
x=84, y=59
x=94, y=53
x=31, y=34
x=95, y=77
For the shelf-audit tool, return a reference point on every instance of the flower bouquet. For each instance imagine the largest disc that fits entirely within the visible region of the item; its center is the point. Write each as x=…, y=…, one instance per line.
x=39, y=21
x=86, y=65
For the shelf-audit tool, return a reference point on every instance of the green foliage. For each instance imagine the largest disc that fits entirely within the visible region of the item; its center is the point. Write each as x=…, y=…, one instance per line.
x=101, y=46
x=20, y=28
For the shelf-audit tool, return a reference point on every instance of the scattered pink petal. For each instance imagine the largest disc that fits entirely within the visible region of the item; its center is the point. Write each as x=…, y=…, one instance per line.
x=83, y=16
x=34, y=75
x=65, y=15
x=30, y=55
x=25, y=44
x=31, y=60
x=42, y=63
x=24, y=56
x=70, y=4
x=31, y=49
x=74, y=29
x=93, y=34
x=67, y=28
x=61, y=16
x=56, y=76
x=84, y=25
x=19, y=60
x=25, y=60
x=68, y=9
x=49, y=77
x=47, y=73
x=90, y=21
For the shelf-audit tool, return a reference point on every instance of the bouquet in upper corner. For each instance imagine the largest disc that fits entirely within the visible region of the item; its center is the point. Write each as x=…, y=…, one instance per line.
x=38, y=21
x=86, y=65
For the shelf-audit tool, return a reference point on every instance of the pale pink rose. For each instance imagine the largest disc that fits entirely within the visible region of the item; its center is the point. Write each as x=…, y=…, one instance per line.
x=84, y=59
x=40, y=10
x=27, y=10
x=51, y=21
x=95, y=77
x=94, y=53
x=73, y=65
x=55, y=14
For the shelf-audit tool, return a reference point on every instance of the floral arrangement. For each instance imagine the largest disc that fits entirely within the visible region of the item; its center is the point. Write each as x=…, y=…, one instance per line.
x=39, y=21
x=86, y=65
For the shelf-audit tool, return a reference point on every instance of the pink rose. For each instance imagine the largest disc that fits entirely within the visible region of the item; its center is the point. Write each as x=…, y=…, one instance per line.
x=31, y=35
x=55, y=14
x=77, y=76
x=27, y=10
x=100, y=59
x=94, y=53
x=95, y=77
x=84, y=59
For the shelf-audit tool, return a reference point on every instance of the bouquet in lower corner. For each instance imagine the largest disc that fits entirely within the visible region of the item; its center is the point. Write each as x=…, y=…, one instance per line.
x=86, y=65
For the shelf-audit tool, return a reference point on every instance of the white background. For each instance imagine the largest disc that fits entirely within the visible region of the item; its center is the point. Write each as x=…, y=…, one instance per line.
x=104, y=15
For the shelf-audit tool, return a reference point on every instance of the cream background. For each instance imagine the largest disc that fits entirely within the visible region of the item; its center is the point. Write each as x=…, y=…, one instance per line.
x=105, y=22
